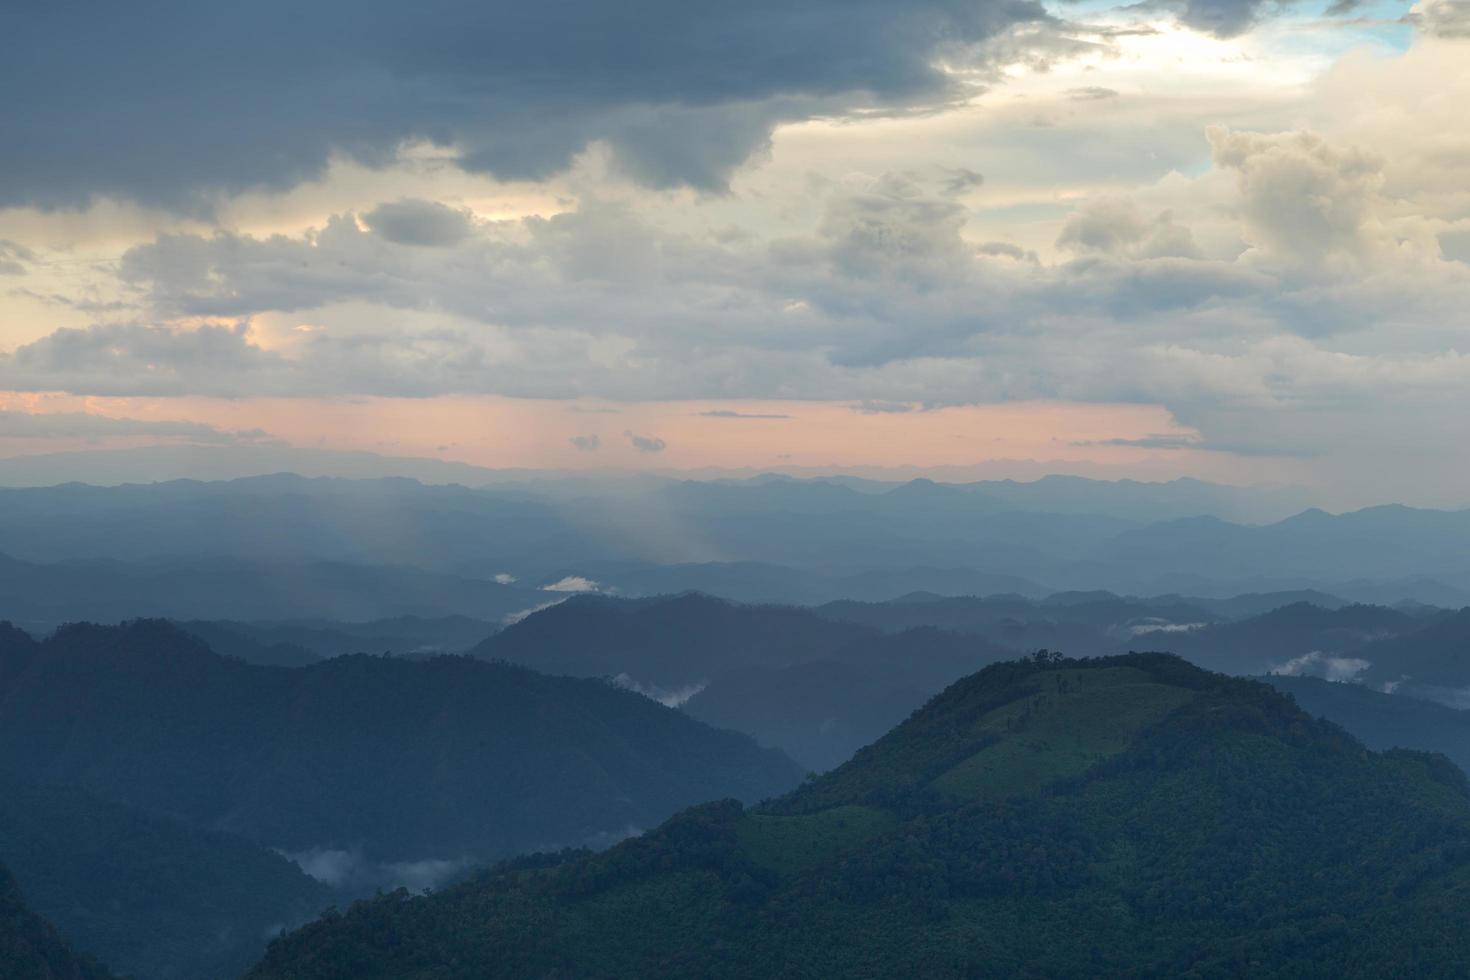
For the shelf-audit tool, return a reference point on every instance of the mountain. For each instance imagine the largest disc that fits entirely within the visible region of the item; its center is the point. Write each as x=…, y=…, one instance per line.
x=146, y=464
x=1383, y=721
x=295, y=643
x=1250, y=604
x=1144, y=501
x=150, y=896
x=42, y=596
x=766, y=540
x=814, y=687
x=1092, y=623
x=1433, y=662
x=31, y=948
x=771, y=584
x=383, y=760
x=1127, y=816
x=822, y=711
x=1300, y=638
x=1390, y=542
x=668, y=642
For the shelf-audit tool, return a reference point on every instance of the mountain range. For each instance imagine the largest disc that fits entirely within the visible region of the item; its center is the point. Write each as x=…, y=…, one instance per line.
x=504, y=544
x=1123, y=816
x=386, y=761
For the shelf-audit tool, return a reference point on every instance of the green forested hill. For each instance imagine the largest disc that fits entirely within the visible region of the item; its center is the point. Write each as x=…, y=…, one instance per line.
x=30, y=948
x=1129, y=816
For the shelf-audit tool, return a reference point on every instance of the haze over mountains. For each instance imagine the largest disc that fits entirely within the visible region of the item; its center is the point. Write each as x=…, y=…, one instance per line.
x=284, y=547
x=552, y=489
x=362, y=684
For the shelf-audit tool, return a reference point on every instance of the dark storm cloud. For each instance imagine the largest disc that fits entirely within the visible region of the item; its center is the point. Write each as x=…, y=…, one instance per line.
x=166, y=101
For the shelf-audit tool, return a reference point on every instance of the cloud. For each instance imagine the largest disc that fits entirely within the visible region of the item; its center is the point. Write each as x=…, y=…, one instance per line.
x=1116, y=227
x=1169, y=441
x=84, y=425
x=12, y=255
x=573, y=583
x=727, y=414
x=427, y=223
x=140, y=359
x=353, y=872
x=1008, y=250
x=1319, y=664
x=1448, y=19
x=510, y=619
x=1224, y=18
x=675, y=697
x=959, y=180
x=870, y=406
x=680, y=93
x=588, y=443
x=893, y=231
x=1301, y=197
x=1163, y=441
x=1295, y=293
x=1091, y=93
x=646, y=444
x=505, y=578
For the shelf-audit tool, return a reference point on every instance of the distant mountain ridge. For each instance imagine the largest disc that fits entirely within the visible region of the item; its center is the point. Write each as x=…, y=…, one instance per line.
x=771, y=540
x=813, y=686
x=820, y=682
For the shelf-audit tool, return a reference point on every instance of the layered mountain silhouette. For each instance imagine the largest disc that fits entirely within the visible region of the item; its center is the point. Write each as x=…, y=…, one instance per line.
x=816, y=687
x=398, y=760
x=1384, y=721
x=765, y=539
x=1130, y=815
x=1434, y=662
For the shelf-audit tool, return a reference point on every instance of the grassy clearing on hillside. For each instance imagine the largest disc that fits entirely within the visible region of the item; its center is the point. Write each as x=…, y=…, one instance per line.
x=1075, y=719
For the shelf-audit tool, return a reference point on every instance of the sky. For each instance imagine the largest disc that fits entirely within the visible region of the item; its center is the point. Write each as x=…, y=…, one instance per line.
x=1227, y=239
